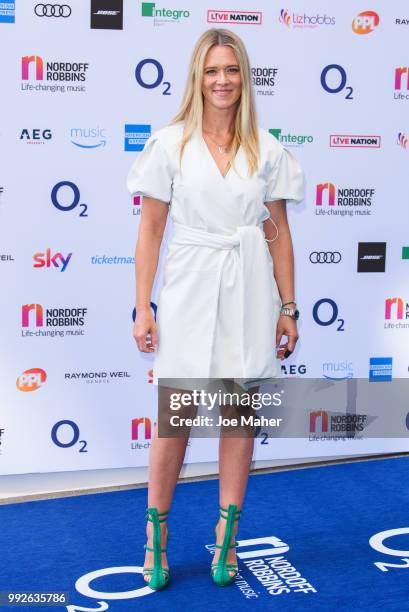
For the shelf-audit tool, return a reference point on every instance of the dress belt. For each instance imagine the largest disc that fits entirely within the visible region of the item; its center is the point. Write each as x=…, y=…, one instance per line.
x=260, y=301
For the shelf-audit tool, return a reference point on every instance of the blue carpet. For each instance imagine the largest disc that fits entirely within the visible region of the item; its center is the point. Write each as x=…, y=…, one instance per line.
x=323, y=517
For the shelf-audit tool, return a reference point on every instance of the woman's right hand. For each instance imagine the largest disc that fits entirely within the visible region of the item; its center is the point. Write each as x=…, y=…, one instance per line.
x=145, y=331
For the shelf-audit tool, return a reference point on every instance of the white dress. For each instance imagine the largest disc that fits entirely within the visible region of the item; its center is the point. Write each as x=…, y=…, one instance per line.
x=219, y=304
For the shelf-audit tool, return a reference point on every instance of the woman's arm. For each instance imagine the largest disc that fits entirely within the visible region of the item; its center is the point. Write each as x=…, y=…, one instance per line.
x=281, y=250
x=151, y=229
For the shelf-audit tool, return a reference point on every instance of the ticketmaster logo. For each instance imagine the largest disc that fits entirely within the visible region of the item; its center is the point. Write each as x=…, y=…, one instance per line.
x=103, y=259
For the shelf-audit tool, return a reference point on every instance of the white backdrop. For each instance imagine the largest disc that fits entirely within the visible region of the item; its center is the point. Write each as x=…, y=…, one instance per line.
x=72, y=379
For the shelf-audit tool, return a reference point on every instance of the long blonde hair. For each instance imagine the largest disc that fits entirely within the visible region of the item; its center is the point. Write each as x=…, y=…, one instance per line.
x=191, y=109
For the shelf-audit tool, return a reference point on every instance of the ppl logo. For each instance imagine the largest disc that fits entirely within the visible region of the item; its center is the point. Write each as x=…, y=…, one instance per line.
x=399, y=73
x=39, y=67
x=329, y=190
x=46, y=260
x=31, y=380
x=396, y=305
x=147, y=425
x=25, y=315
x=365, y=22
x=285, y=17
x=314, y=416
x=402, y=140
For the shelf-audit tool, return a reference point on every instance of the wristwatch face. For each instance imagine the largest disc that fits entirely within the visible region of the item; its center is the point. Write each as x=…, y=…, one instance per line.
x=296, y=314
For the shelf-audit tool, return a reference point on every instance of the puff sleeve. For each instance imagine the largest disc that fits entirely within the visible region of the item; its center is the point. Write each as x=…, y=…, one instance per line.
x=151, y=173
x=285, y=180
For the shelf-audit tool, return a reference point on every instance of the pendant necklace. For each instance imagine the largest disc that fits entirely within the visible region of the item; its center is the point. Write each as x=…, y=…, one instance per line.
x=223, y=149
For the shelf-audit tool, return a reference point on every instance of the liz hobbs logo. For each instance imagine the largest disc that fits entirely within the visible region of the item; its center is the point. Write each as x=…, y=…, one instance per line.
x=302, y=20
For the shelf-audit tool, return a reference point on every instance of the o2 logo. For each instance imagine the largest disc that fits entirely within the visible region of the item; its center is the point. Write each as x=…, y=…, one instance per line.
x=269, y=545
x=333, y=317
x=59, y=439
x=154, y=308
x=377, y=543
x=340, y=72
x=56, y=198
x=158, y=74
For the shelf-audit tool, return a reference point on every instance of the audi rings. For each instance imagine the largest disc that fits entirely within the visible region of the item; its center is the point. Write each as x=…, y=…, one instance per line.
x=325, y=257
x=52, y=10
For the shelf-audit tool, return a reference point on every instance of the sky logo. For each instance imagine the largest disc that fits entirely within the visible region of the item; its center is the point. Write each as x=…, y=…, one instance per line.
x=365, y=22
x=25, y=67
x=46, y=260
x=325, y=187
x=37, y=310
x=31, y=380
x=380, y=369
x=136, y=136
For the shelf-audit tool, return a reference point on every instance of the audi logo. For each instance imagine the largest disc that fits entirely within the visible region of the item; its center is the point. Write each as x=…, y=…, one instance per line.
x=52, y=10
x=325, y=257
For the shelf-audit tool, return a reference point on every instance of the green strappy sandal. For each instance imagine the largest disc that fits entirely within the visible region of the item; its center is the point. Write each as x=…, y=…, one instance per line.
x=159, y=575
x=220, y=570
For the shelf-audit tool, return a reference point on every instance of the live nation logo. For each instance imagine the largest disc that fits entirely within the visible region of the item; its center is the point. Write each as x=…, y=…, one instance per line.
x=239, y=17
x=349, y=141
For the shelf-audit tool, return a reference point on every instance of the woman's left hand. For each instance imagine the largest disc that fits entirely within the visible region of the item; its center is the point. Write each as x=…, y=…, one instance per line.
x=286, y=326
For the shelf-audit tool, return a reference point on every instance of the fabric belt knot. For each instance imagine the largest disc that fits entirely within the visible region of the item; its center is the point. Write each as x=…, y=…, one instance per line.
x=260, y=301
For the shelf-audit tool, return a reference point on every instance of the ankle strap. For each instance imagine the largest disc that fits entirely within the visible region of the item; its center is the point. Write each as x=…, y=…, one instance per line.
x=152, y=513
x=225, y=511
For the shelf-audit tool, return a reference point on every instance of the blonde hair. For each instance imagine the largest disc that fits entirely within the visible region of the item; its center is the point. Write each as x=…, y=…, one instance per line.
x=191, y=109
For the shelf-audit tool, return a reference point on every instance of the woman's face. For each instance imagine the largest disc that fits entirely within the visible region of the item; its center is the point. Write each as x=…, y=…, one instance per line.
x=221, y=84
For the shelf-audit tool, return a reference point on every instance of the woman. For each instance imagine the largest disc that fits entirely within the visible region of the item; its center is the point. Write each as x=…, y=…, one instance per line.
x=228, y=294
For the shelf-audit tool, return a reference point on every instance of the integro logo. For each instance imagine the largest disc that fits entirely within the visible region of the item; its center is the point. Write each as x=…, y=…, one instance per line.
x=343, y=201
x=365, y=22
x=31, y=380
x=46, y=260
x=162, y=15
x=303, y=20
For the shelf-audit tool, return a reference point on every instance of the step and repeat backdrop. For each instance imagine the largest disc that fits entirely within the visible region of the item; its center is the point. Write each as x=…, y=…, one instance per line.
x=84, y=84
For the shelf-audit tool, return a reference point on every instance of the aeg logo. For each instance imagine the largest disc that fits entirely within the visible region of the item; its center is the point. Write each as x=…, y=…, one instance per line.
x=31, y=380
x=45, y=260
